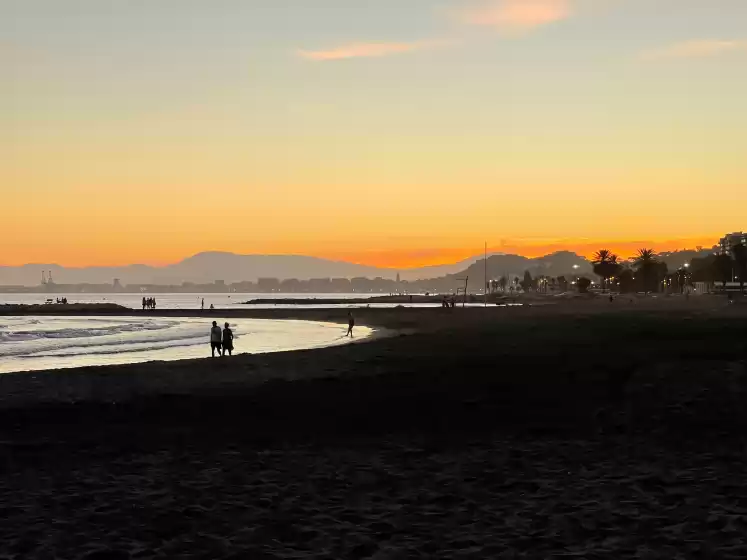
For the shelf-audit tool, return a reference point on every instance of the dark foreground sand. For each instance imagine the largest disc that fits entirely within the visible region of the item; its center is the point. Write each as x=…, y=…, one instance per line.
x=582, y=429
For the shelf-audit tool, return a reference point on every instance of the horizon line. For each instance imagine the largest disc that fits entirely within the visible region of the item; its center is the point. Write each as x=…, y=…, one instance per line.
x=495, y=251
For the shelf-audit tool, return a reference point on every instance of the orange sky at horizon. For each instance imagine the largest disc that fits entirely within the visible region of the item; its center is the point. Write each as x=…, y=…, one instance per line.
x=407, y=259
x=586, y=248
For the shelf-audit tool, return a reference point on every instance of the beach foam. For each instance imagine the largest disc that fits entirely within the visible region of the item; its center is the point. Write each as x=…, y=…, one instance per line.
x=33, y=343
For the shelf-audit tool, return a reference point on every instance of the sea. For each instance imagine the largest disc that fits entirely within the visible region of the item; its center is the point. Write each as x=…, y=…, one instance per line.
x=179, y=301
x=33, y=343
x=218, y=301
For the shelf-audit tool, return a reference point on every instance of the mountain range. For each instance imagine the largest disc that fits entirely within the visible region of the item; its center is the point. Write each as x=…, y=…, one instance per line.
x=206, y=268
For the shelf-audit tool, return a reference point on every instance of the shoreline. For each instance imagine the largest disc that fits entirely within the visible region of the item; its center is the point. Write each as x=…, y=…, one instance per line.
x=44, y=377
x=430, y=329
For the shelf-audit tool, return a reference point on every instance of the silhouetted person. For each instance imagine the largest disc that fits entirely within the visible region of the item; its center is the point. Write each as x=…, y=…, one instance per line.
x=351, y=324
x=154, y=303
x=143, y=304
x=215, y=339
x=227, y=340
x=203, y=304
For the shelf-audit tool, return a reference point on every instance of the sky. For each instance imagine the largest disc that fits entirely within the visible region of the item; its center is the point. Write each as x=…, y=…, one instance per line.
x=394, y=133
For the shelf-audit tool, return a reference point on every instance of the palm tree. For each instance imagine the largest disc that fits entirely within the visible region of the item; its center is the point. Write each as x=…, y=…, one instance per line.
x=503, y=283
x=740, y=256
x=645, y=261
x=605, y=265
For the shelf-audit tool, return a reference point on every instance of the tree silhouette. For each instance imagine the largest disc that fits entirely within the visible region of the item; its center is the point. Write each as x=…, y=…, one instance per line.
x=723, y=266
x=645, y=262
x=660, y=273
x=503, y=283
x=627, y=281
x=528, y=282
x=583, y=285
x=703, y=270
x=681, y=279
x=605, y=265
x=740, y=257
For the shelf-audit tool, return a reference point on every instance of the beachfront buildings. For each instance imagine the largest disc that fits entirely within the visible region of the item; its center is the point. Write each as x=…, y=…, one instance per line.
x=731, y=239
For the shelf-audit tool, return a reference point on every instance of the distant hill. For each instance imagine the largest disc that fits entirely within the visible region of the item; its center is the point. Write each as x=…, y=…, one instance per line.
x=211, y=266
x=229, y=267
x=439, y=270
x=676, y=259
x=201, y=268
x=555, y=264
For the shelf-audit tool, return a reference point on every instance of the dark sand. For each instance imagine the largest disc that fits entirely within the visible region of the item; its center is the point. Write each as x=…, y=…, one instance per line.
x=583, y=429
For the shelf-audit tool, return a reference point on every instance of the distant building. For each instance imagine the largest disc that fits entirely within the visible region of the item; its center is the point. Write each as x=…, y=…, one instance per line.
x=731, y=239
x=116, y=284
x=267, y=285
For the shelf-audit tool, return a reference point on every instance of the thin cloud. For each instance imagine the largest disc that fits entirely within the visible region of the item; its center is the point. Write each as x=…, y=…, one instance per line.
x=515, y=15
x=696, y=49
x=369, y=50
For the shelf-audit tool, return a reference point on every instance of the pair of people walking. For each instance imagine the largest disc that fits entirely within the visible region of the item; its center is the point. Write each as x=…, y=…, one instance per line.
x=221, y=340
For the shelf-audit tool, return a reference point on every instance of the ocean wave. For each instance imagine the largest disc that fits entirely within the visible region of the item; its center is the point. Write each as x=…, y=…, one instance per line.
x=54, y=347
x=76, y=333
x=111, y=349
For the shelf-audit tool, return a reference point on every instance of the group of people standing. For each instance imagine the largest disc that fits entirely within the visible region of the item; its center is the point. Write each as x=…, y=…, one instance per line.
x=221, y=340
x=149, y=303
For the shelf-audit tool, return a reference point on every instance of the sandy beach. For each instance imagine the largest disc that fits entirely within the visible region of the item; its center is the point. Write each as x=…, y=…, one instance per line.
x=580, y=428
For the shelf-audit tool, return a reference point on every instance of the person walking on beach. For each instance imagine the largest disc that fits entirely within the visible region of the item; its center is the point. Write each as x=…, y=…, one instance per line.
x=351, y=324
x=215, y=339
x=203, y=304
x=227, y=340
x=143, y=304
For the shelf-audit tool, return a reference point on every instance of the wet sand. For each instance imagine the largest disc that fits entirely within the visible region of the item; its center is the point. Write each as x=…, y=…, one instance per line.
x=581, y=429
